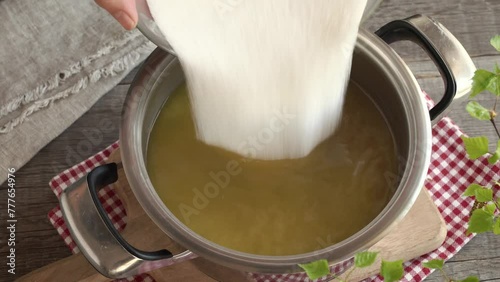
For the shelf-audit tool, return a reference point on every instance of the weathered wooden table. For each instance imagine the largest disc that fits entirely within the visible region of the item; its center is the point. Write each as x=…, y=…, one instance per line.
x=472, y=21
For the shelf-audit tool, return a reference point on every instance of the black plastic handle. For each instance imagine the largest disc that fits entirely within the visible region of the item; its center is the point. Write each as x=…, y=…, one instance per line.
x=99, y=178
x=404, y=30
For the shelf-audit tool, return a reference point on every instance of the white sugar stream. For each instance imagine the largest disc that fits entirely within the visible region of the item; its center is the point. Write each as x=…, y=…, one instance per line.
x=266, y=77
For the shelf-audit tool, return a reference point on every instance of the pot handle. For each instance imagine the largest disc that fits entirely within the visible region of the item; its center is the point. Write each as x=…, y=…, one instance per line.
x=451, y=58
x=95, y=234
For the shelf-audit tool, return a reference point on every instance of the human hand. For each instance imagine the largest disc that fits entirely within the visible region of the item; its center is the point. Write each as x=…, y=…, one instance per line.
x=124, y=11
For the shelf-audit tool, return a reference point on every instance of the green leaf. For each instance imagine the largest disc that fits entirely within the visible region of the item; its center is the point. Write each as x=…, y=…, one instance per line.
x=480, y=221
x=477, y=111
x=481, y=81
x=434, y=264
x=484, y=195
x=365, y=259
x=490, y=208
x=476, y=146
x=392, y=270
x=497, y=69
x=471, y=190
x=495, y=156
x=316, y=269
x=495, y=42
x=496, y=227
x=470, y=279
x=494, y=85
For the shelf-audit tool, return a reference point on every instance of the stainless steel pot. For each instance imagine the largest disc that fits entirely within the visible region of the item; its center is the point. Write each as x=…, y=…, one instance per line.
x=376, y=68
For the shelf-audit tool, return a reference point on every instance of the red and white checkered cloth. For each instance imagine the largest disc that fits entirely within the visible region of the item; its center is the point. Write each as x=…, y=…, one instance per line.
x=449, y=175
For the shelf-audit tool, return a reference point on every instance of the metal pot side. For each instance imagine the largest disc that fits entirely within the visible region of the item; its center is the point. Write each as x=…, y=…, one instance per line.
x=375, y=67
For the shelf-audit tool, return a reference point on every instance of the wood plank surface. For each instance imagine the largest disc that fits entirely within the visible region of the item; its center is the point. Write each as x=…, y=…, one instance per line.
x=473, y=22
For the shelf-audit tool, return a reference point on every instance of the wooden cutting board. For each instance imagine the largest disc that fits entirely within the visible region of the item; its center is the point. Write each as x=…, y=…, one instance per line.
x=420, y=232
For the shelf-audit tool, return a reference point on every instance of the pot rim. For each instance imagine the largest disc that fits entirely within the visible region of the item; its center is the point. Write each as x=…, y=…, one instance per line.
x=419, y=152
x=147, y=25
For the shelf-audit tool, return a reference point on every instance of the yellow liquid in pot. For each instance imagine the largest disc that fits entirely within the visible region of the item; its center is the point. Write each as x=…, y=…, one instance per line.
x=283, y=207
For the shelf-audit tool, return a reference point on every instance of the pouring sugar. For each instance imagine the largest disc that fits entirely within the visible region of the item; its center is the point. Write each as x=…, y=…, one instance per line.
x=266, y=78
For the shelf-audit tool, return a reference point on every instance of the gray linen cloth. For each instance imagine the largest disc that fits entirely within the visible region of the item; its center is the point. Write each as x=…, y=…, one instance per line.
x=57, y=58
